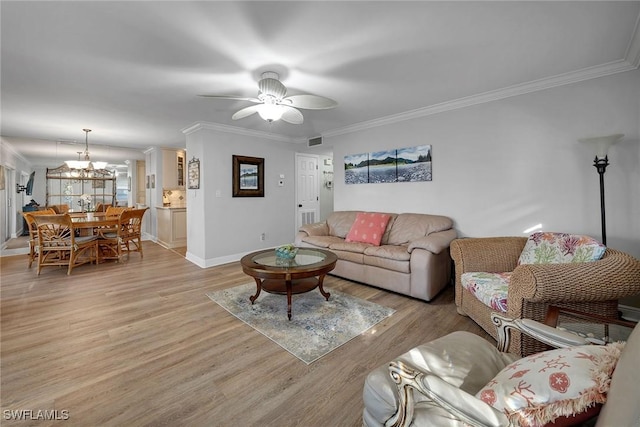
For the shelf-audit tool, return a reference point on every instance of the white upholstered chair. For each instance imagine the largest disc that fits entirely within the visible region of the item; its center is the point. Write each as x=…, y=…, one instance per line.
x=435, y=384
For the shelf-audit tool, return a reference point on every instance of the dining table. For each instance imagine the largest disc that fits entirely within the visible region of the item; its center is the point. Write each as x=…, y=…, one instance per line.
x=88, y=222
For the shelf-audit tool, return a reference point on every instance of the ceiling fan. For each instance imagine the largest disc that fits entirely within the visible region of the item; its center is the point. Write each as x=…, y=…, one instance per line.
x=272, y=104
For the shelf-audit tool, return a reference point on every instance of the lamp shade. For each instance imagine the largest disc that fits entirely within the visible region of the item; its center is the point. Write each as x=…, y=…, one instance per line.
x=99, y=165
x=77, y=164
x=601, y=144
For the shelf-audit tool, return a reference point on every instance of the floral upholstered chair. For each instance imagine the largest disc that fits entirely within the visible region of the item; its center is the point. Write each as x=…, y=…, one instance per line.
x=520, y=277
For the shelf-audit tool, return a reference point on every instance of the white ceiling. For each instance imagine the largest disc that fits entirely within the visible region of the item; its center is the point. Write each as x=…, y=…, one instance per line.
x=131, y=71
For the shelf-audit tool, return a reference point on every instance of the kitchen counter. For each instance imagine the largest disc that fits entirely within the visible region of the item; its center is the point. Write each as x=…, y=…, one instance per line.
x=172, y=226
x=172, y=207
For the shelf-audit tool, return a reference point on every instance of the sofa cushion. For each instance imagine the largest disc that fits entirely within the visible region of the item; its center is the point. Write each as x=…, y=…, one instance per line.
x=539, y=388
x=556, y=248
x=322, y=241
x=368, y=228
x=315, y=229
x=411, y=226
x=398, y=253
x=354, y=257
x=388, y=264
x=489, y=288
x=340, y=222
x=356, y=247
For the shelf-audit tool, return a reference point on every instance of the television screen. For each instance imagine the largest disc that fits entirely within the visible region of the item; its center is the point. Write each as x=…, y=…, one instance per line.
x=29, y=190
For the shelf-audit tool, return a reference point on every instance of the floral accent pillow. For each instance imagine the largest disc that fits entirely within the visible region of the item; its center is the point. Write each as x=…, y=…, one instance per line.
x=543, y=387
x=368, y=228
x=557, y=248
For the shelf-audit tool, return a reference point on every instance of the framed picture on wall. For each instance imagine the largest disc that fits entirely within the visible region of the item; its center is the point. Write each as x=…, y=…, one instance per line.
x=193, y=172
x=248, y=176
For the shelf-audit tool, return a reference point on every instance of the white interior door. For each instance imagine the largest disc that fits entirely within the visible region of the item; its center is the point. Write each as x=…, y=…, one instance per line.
x=307, y=197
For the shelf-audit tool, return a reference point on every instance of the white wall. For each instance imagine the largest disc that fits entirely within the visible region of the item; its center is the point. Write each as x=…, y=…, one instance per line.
x=325, y=173
x=11, y=202
x=222, y=229
x=502, y=167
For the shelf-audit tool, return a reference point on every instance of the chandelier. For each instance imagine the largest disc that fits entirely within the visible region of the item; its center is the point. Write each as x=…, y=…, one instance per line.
x=84, y=167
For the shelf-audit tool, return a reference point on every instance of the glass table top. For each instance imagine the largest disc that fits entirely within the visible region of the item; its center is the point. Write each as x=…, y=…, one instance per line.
x=303, y=257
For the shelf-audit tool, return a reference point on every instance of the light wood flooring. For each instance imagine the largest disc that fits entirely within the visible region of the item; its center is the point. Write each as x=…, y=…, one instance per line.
x=140, y=344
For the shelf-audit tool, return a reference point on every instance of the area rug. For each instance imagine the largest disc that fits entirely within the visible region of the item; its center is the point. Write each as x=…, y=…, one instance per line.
x=317, y=327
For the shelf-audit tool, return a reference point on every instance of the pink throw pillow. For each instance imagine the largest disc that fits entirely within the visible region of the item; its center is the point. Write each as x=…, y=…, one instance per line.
x=368, y=228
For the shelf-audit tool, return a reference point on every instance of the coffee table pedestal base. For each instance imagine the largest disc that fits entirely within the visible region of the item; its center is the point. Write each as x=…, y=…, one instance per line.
x=289, y=288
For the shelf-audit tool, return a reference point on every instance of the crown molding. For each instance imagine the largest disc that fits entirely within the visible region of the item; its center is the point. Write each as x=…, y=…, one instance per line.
x=614, y=67
x=12, y=150
x=633, y=50
x=238, y=131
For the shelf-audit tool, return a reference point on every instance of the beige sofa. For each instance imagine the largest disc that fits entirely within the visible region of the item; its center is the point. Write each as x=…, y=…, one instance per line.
x=412, y=259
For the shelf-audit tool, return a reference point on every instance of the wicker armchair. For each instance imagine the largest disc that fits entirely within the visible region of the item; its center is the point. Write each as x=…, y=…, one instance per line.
x=593, y=287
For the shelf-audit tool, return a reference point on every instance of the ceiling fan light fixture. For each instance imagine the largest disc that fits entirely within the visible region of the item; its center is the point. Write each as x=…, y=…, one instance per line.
x=273, y=104
x=270, y=112
x=270, y=85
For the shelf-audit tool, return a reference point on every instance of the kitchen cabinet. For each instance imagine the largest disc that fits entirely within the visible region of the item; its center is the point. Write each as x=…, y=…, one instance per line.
x=173, y=170
x=172, y=227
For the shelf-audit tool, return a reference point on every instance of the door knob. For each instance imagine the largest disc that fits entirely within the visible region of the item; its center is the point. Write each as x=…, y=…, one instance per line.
x=299, y=206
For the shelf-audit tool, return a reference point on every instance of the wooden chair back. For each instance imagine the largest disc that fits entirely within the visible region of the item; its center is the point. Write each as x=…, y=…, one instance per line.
x=58, y=245
x=29, y=218
x=102, y=207
x=130, y=232
x=115, y=210
x=60, y=209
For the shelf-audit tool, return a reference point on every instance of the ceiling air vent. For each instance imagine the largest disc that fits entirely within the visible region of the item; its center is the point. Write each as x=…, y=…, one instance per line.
x=315, y=141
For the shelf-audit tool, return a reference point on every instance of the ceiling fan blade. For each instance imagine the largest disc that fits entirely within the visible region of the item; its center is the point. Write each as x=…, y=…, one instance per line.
x=310, y=102
x=245, y=112
x=291, y=115
x=236, y=98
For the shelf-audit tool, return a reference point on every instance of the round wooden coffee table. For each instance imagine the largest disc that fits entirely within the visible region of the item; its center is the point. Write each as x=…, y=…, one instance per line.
x=277, y=276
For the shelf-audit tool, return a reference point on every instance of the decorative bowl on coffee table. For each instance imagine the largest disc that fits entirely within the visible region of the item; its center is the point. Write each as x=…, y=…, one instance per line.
x=287, y=252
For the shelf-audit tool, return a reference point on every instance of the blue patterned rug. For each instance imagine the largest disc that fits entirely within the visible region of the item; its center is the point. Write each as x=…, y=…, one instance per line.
x=317, y=326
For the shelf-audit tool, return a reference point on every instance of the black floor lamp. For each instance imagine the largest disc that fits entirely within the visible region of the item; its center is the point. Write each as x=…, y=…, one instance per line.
x=601, y=146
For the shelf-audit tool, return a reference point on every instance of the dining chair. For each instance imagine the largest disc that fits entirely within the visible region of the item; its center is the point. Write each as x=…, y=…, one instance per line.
x=33, y=231
x=102, y=207
x=115, y=210
x=127, y=237
x=131, y=230
x=109, y=241
x=59, y=246
x=60, y=209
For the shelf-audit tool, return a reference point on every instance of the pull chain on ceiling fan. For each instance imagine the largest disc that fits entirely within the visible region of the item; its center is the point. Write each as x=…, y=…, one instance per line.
x=273, y=104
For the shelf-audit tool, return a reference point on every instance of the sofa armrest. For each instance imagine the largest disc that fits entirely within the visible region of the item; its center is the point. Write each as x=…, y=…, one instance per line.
x=615, y=276
x=434, y=242
x=490, y=254
x=460, y=404
x=315, y=229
